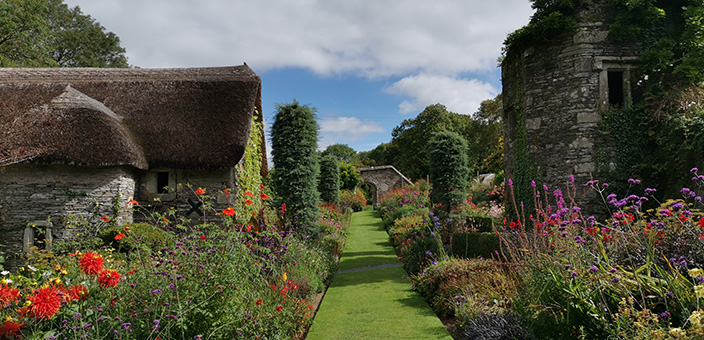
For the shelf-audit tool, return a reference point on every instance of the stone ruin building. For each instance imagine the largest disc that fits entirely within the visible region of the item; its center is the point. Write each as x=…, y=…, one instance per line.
x=79, y=142
x=383, y=179
x=557, y=92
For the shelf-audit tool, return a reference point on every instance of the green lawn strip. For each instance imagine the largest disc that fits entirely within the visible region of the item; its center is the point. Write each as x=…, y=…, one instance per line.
x=374, y=303
x=368, y=243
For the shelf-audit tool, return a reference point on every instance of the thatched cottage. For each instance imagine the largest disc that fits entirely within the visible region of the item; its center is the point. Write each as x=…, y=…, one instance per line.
x=83, y=141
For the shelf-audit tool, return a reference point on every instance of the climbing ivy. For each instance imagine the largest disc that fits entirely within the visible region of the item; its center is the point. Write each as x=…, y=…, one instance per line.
x=249, y=196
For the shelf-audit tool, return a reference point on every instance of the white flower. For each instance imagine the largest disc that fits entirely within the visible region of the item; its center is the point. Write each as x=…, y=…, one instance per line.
x=31, y=268
x=4, y=272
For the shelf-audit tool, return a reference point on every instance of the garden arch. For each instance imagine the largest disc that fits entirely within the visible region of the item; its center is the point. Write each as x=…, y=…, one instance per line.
x=383, y=179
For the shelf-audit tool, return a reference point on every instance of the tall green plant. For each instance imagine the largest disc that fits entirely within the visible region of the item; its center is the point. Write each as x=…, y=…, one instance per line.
x=448, y=170
x=294, y=139
x=329, y=185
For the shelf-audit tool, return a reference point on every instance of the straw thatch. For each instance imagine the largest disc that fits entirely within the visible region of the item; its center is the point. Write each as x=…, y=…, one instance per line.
x=195, y=118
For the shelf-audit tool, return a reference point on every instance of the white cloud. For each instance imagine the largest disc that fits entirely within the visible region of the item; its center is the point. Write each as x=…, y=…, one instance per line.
x=369, y=38
x=345, y=130
x=461, y=96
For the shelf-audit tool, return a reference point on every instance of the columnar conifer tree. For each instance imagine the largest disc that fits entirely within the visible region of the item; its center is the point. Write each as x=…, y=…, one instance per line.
x=329, y=186
x=448, y=170
x=294, y=140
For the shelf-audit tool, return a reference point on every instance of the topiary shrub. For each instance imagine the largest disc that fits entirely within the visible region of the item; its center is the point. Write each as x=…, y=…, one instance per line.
x=449, y=169
x=329, y=185
x=294, y=140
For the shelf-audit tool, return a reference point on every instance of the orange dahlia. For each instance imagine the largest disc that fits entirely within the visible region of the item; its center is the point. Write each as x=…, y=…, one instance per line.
x=109, y=278
x=77, y=292
x=10, y=329
x=45, y=302
x=91, y=263
x=8, y=295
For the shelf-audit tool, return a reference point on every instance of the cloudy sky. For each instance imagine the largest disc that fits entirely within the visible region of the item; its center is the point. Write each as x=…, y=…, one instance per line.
x=365, y=65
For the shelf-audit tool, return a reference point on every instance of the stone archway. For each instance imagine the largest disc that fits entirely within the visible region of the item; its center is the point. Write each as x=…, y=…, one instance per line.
x=384, y=179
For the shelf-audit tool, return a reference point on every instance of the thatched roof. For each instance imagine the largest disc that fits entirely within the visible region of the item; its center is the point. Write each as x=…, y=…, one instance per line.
x=196, y=118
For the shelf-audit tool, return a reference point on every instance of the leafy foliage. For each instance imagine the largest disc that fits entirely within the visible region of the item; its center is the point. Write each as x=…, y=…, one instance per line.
x=408, y=150
x=343, y=152
x=41, y=33
x=329, y=186
x=294, y=139
x=349, y=176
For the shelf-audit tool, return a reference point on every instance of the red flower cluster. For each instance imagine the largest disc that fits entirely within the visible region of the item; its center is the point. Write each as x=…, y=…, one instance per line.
x=45, y=302
x=119, y=236
x=8, y=295
x=229, y=212
x=91, y=263
x=200, y=191
x=109, y=278
x=10, y=330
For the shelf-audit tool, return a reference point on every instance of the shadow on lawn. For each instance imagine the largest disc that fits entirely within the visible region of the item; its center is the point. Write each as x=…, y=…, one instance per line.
x=394, y=277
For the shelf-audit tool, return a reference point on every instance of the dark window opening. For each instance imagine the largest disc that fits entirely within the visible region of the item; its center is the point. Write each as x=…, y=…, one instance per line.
x=617, y=96
x=40, y=241
x=162, y=181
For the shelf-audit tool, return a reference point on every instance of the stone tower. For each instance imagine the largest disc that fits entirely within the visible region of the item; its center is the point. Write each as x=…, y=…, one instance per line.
x=555, y=94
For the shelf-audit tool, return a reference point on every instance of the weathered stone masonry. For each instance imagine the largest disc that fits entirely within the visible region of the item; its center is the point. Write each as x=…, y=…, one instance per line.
x=561, y=90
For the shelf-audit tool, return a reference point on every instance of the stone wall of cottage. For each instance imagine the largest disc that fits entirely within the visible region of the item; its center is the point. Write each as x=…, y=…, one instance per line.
x=61, y=195
x=561, y=91
x=181, y=188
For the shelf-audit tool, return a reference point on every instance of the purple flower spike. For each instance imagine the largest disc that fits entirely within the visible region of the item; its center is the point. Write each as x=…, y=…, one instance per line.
x=572, y=178
x=532, y=184
x=694, y=170
x=573, y=275
x=593, y=270
x=510, y=183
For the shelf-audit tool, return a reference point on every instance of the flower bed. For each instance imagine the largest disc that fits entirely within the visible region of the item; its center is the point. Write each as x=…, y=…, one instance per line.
x=172, y=280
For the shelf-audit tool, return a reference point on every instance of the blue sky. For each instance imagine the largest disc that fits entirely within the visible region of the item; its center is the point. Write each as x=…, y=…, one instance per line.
x=365, y=65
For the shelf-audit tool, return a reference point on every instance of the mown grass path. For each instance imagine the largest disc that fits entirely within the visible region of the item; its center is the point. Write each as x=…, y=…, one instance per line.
x=371, y=297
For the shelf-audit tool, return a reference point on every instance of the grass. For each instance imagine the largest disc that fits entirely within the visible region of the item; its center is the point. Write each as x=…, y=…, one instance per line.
x=375, y=303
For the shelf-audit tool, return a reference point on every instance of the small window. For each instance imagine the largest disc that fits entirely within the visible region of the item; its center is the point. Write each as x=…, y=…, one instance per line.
x=617, y=96
x=162, y=181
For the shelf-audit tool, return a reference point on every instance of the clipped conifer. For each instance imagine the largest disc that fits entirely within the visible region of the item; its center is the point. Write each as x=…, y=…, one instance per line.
x=294, y=140
x=329, y=185
x=449, y=170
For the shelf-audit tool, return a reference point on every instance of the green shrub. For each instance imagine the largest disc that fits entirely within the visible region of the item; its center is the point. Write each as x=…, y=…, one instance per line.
x=350, y=200
x=460, y=285
x=475, y=244
x=329, y=185
x=295, y=178
x=449, y=169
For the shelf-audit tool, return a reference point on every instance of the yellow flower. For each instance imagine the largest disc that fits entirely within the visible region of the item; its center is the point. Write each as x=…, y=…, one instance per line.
x=677, y=332
x=27, y=303
x=696, y=318
x=699, y=291
x=696, y=272
x=285, y=277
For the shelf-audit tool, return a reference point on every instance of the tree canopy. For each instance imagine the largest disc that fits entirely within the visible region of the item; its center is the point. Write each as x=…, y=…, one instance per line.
x=343, y=152
x=408, y=149
x=47, y=33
